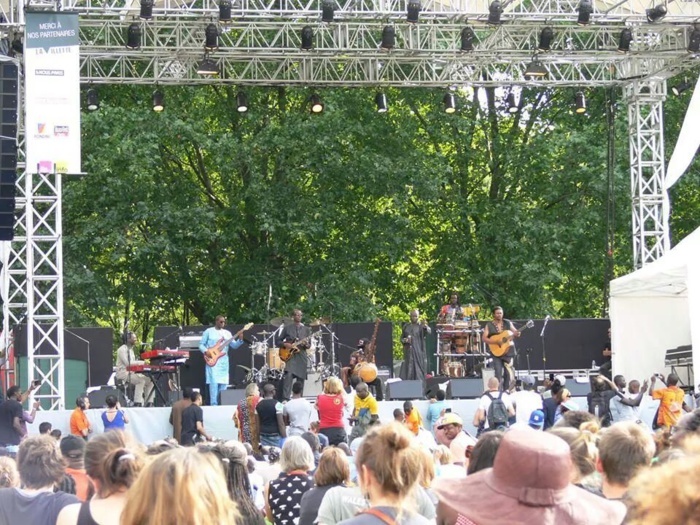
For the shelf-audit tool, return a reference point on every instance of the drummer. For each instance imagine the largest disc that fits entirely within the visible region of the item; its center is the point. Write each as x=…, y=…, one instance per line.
x=452, y=311
x=352, y=380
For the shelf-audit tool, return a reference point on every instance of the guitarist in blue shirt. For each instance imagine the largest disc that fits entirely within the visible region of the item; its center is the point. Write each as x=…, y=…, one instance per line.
x=217, y=374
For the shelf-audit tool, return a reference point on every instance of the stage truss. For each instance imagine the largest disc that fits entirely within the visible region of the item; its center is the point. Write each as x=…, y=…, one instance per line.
x=261, y=46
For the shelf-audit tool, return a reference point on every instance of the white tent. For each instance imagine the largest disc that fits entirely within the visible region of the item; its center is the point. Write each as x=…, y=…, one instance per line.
x=657, y=308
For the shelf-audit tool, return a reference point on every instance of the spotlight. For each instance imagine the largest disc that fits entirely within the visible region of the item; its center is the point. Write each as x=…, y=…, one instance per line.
x=328, y=11
x=467, y=37
x=388, y=38
x=535, y=69
x=133, y=36
x=146, y=10
x=546, y=37
x=678, y=89
x=625, y=40
x=241, y=102
x=413, y=11
x=694, y=42
x=580, y=103
x=93, y=101
x=512, y=104
x=207, y=67
x=158, y=104
x=307, y=38
x=656, y=13
x=585, y=9
x=225, y=11
x=449, y=102
x=382, y=106
x=495, y=11
x=211, y=38
x=316, y=104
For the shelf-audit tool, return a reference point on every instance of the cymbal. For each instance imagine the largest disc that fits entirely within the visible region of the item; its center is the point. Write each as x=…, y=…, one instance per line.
x=279, y=321
x=264, y=333
x=320, y=321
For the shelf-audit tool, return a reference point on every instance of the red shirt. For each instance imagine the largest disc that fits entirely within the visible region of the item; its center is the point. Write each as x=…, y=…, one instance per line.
x=330, y=411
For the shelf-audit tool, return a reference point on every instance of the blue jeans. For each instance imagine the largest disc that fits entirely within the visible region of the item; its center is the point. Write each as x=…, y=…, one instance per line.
x=214, y=390
x=270, y=440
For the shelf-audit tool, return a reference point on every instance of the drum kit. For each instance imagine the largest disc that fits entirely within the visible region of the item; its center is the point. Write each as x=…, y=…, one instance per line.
x=321, y=360
x=460, y=350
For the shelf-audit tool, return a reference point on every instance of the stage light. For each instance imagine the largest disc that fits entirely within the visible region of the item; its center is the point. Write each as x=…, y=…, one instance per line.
x=211, y=38
x=382, y=105
x=625, y=40
x=535, y=69
x=678, y=89
x=580, y=102
x=328, y=11
x=585, y=9
x=694, y=42
x=388, y=38
x=225, y=11
x=316, y=104
x=158, y=101
x=241, y=102
x=512, y=104
x=133, y=36
x=207, y=67
x=93, y=101
x=467, y=37
x=450, y=102
x=146, y=12
x=656, y=13
x=546, y=37
x=413, y=11
x=307, y=38
x=495, y=11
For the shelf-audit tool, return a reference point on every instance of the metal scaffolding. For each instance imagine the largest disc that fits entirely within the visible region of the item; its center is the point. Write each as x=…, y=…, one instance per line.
x=261, y=45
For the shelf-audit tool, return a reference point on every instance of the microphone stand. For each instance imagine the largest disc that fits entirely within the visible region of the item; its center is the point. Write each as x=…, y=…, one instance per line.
x=89, y=377
x=544, y=352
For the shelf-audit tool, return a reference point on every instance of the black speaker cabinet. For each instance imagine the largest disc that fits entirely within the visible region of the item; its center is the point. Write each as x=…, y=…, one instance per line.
x=98, y=397
x=232, y=397
x=402, y=390
x=465, y=388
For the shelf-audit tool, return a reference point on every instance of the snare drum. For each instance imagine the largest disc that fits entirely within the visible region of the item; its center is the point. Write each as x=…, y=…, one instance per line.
x=453, y=369
x=273, y=359
x=259, y=348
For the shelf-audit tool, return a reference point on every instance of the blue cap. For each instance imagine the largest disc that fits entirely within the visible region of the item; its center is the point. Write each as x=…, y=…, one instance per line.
x=536, y=419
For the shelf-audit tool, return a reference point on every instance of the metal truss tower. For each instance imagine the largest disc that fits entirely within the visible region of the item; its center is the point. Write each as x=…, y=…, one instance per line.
x=260, y=44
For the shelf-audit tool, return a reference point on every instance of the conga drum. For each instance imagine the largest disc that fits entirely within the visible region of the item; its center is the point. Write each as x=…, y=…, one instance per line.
x=454, y=369
x=461, y=342
x=274, y=360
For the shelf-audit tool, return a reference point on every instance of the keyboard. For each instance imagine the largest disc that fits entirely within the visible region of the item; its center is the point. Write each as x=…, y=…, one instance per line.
x=165, y=354
x=151, y=369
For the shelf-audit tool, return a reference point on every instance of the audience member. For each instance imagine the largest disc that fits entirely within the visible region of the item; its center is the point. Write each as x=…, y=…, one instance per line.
x=296, y=462
x=40, y=468
x=114, y=417
x=688, y=425
x=602, y=392
x=535, y=422
x=482, y=455
x=56, y=434
x=79, y=423
x=181, y=486
x=245, y=417
x=160, y=446
x=45, y=427
x=576, y=418
x=193, y=430
x=526, y=401
x=330, y=405
x=436, y=408
x=490, y=415
x=365, y=413
x=583, y=457
x=551, y=399
x=399, y=416
x=28, y=416
x=314, y=443
x=73, y=451
x=671, y=403
x=269, y=465
x=445, y=464
x=176, y=411
x=333, y=471
x=529, y=483
x=270, y=418
x=322, y=438
x=9, y=477
x=623, y=450
x=414, y=421
x=625, y=406
x=112, y=462
x=452, y=427
x=298, y=412
x=11, y=430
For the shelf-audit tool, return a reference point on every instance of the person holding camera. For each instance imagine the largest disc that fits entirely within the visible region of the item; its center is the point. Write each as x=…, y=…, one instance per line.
x=11, y=431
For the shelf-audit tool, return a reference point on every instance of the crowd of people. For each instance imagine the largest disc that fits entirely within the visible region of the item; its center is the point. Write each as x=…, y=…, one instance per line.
x=536, y=458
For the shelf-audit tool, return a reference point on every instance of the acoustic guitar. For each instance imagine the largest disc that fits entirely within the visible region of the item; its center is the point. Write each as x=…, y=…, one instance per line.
x=287, y=350
x=502, y=340
x=216, y=351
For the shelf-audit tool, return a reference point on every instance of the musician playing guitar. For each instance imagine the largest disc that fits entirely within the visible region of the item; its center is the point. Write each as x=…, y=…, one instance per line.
x=295, y=367
x=491, y=335
x=217, y=375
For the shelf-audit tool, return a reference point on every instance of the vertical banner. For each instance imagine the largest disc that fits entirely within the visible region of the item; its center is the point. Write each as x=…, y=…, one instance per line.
x=52, y=93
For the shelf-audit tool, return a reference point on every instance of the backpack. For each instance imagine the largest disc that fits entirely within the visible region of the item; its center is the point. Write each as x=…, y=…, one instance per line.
x=600, y=408
x=497, y=414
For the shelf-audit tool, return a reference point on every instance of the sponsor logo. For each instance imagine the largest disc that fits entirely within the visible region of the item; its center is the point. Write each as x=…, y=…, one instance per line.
x=60, y=131
x=41, y=131
x=41, y=126
x=45, y=166
x=61, y=166
x=49, y=72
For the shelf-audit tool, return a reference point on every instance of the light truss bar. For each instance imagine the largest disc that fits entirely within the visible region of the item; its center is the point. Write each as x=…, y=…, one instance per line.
x=650, y=206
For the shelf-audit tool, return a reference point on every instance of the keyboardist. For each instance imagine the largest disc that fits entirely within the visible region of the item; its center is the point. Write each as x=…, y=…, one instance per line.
x=126, y=358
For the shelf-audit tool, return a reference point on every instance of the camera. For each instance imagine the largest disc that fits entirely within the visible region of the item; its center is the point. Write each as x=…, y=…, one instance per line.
x=36, y=383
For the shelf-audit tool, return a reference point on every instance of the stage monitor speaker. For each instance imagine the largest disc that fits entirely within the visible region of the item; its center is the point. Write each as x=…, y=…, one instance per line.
x=98, y=397
x=232, y=396
x=405, y=390
x=433, y=384
x=313, y=386
x=465, y=388
x=577, y=389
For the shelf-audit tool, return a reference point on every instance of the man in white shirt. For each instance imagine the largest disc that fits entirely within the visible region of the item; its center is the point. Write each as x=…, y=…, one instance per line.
x=626, y=405
x=481, y=418
x=125, y=359
x=298, y=412
x=526, y=401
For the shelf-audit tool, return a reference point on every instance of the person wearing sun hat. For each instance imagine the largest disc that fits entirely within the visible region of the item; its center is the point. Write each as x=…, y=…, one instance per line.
x=451, y=425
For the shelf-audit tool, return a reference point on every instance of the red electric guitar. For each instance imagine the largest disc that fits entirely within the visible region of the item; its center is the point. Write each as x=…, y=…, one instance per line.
x=214, y=353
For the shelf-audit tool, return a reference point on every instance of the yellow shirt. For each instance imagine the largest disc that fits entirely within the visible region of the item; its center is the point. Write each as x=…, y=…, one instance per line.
x=368, y=403
x=414, y=421
x=671, y=405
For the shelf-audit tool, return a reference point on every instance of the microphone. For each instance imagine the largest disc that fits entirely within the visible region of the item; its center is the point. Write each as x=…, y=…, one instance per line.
x=547, y=318
x=544, y=326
